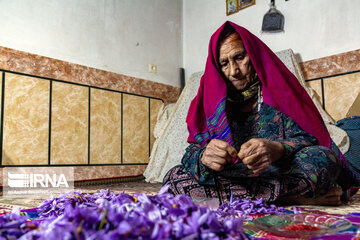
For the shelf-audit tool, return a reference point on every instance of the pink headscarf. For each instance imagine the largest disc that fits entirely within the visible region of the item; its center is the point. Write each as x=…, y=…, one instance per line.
x=207, y=119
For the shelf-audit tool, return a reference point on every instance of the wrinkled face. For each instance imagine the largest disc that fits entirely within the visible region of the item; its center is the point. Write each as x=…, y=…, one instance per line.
x=235, y=62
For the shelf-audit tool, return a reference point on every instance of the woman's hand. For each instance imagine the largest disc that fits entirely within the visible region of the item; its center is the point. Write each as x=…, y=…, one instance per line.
x=259, y=153
x=217, y=154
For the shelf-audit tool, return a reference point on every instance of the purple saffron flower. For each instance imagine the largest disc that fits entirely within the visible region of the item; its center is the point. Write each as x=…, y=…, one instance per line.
x=106, y=215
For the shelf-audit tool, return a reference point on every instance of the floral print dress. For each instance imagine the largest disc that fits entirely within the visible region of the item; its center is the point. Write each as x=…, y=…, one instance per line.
x=305, y=169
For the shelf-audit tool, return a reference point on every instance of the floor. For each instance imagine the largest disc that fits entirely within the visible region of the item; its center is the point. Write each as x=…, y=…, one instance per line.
x=6, y=204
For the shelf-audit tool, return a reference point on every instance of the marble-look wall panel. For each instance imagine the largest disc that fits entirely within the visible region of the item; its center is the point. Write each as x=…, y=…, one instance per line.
x=340, y=93
x=23, y=62
x=335, y=64
x=1, y=80
x=354, y=110
x=83, y=173
x=316, y=86
x=105, y=127
x=69, y=124
x=26, y=120
x=155, y=106
x=135, y=129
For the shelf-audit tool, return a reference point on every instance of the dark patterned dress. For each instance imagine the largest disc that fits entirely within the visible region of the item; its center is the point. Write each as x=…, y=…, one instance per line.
x=306, y=169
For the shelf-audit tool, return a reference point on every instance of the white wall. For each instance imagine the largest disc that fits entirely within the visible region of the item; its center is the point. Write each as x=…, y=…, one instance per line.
x=124, y=36
x=121, y=36
x=313, y=28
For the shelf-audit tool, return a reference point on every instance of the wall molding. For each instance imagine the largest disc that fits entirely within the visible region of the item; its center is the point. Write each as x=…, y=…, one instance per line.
x=28, y=63
x=331, y=65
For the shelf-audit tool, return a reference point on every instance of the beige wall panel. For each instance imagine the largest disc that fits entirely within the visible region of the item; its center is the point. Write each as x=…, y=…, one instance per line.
x=155, y=106
x=69, y=124
x=135, y=129
x=316, y=86
x=105, y=127
x=26, y=120
x=1, y=77
x=354, y=110
x=340, y=93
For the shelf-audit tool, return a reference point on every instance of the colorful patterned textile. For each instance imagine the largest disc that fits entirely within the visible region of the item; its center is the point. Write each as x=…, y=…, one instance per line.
x=306, y=169
x=207, y=119
x=351, y=233
x=310, y=174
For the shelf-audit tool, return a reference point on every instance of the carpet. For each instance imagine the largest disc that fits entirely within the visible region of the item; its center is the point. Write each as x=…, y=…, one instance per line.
x=352, y=206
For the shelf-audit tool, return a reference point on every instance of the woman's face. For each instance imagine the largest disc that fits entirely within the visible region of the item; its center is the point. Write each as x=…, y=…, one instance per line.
x=235, y=62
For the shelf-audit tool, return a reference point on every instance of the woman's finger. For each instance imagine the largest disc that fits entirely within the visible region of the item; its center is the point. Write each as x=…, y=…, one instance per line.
x=224, y=155
x=231, y=151
x=216, y=166
x=247, y=149
x=262, y=168
x=224, y=150
x=211, y=156
x=247, y=144
x=257, y=164
x=219, y=144
x=252, y=159
x=218, y=160
x=224, y=146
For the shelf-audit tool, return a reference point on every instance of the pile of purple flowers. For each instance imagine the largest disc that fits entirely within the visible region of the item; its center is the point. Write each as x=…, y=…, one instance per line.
x=13, y=225
x=107, y=215
x=243, y=207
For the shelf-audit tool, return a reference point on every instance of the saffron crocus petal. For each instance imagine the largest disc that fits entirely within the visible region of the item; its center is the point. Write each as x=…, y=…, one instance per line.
x=164, y=189
x=124, y=228
x=16, y=210
x=142, y=198
x=203, y=218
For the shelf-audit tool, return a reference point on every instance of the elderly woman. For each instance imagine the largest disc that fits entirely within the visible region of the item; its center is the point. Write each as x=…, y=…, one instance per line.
x=255, y=133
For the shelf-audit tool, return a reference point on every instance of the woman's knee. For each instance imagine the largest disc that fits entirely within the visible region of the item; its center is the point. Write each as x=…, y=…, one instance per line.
x=319, y=165
x=316, y=150
x=318, y=155
x=173, y=173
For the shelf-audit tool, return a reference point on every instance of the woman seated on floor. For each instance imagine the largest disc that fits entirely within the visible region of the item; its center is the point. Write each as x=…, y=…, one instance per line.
x=255, y=133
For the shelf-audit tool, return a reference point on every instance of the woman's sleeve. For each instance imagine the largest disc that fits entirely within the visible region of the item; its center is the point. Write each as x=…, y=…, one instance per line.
x=193, y=165
x=294, y=137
